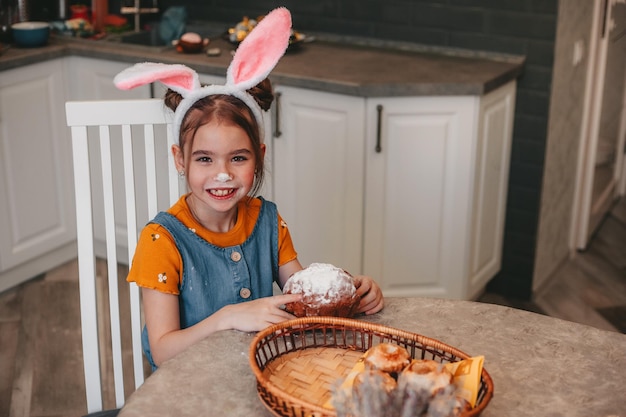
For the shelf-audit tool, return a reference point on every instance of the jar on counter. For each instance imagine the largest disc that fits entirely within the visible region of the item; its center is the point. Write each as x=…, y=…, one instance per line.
x=79, y=11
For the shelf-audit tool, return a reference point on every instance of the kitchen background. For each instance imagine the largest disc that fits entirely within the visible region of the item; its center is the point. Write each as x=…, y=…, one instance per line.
x=548, y=110
x=549, y=116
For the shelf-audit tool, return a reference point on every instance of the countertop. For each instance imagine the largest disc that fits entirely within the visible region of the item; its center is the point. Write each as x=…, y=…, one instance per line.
x=344, y=68
x=540, y=366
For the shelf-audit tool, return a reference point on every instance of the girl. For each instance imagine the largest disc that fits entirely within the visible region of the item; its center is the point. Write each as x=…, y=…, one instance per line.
x=209, y=263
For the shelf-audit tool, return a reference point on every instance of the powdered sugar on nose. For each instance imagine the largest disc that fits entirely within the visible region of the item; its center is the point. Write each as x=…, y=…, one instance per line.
x=223, y=177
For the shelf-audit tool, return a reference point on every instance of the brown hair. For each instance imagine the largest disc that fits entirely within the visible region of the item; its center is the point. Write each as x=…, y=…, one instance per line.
x=227, y=108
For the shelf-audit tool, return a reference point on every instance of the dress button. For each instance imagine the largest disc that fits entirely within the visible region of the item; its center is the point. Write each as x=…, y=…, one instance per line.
x=235, y=256
x=245, y=293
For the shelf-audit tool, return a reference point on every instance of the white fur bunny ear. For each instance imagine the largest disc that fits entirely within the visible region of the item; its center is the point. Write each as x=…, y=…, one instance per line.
x=178, y=77
x=261, y=50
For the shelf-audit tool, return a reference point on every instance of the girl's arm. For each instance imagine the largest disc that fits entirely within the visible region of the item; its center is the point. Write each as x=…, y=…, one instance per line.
x=167, y=338
x=285, y=271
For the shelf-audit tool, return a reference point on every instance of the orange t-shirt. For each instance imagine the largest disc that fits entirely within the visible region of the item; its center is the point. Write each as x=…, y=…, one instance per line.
x=157, y=264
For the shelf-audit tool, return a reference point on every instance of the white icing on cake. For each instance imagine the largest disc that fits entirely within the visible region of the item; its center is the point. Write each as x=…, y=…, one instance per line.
x=322, y=283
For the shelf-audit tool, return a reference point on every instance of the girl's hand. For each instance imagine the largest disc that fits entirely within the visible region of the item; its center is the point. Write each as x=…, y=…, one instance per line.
x=167, y=339
x=256, y=315
x=371, y=295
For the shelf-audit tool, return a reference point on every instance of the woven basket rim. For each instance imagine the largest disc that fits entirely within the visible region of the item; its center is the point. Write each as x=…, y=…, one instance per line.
x=362, y=325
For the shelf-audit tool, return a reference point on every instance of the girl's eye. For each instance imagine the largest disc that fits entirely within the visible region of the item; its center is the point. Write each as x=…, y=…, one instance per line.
x=239, y=158
x=204, y=159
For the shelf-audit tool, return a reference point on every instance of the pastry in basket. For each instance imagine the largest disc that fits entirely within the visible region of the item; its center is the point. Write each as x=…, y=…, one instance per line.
x=387, y=382
x=426, y=386
x=326, y=291
x=387, y=357
x=437, y=375
x=375, y=392
x=382, y=379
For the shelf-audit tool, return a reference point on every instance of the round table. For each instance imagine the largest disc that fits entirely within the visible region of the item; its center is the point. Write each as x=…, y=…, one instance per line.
x=540, y=366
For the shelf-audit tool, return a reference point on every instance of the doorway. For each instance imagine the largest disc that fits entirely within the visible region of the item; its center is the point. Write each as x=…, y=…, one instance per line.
x=605, y=127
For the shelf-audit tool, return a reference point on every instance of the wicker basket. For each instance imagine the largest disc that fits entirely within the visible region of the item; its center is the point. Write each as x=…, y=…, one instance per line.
x=297, y=362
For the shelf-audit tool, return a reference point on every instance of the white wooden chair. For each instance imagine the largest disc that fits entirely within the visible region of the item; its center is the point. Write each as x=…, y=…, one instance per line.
x=124, y=175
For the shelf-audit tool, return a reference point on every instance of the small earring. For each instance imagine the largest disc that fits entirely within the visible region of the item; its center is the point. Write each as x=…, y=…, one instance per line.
x=181, y=173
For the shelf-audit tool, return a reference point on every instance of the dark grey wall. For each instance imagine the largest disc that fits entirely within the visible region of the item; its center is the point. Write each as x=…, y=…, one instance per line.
x=522, y=27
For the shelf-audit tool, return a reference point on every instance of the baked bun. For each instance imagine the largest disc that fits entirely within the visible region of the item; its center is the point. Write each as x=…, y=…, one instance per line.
x=382, y=380
x=435, y=374
x=387, y=357
x=372, y=393
x=326, y=291
x=387, y=382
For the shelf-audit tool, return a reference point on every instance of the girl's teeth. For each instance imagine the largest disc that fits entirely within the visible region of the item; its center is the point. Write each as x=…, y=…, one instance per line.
x=221, y=193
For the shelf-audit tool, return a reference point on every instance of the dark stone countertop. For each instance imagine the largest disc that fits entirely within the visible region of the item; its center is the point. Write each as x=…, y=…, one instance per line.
x=364, y=70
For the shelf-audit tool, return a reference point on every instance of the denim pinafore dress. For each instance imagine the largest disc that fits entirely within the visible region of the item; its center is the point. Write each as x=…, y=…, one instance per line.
x=214, y=277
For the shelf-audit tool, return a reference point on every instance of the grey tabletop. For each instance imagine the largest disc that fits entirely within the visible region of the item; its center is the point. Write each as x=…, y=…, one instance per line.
x=540, y=366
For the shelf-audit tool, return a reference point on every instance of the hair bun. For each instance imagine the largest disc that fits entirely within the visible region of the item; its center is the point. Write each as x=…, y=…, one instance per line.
x=263, y=94
x=172, y=99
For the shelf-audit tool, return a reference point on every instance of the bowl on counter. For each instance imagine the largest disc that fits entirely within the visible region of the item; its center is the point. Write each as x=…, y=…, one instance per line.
x=191, y=43
x=30, y=34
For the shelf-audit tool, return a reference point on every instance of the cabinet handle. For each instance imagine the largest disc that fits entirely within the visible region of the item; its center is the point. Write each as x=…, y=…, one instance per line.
x=379, y=123
x=277, y=132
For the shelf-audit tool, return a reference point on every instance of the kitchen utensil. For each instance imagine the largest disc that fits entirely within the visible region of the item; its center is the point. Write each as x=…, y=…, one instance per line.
x=30, y=34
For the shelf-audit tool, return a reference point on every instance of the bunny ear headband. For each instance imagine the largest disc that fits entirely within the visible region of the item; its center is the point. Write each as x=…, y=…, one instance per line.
x=254, y=59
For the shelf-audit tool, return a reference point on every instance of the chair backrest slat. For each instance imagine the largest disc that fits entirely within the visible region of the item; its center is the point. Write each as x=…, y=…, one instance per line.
x=86, y=267
x=151, y=174
x=111, y=253
x=111, y=127
x=131, y=223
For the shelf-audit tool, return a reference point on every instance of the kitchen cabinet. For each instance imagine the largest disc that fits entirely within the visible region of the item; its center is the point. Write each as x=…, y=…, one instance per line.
x=435, y=193
x=36, y=187
x=408, y=190
x=318, y=173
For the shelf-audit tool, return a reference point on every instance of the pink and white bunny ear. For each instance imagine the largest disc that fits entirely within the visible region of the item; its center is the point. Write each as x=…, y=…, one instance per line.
x=178, y=77
x=261, y=50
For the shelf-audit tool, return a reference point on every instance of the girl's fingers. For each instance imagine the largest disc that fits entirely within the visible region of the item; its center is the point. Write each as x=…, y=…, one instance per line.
x=286, y=298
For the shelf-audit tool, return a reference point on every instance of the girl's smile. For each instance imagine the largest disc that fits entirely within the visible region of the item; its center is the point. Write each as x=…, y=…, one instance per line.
x=221, y=192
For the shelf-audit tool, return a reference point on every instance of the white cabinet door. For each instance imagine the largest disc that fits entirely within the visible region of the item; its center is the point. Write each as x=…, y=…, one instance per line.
x=418, y=194
x=491, y=177
x=318, y=174
x=36, y=188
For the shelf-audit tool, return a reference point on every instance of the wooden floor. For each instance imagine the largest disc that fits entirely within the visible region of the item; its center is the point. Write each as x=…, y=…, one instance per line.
x=40, y=348
x=591, y=288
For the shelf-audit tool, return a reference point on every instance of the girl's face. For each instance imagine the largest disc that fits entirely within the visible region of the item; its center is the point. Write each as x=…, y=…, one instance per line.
x=220, y=168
